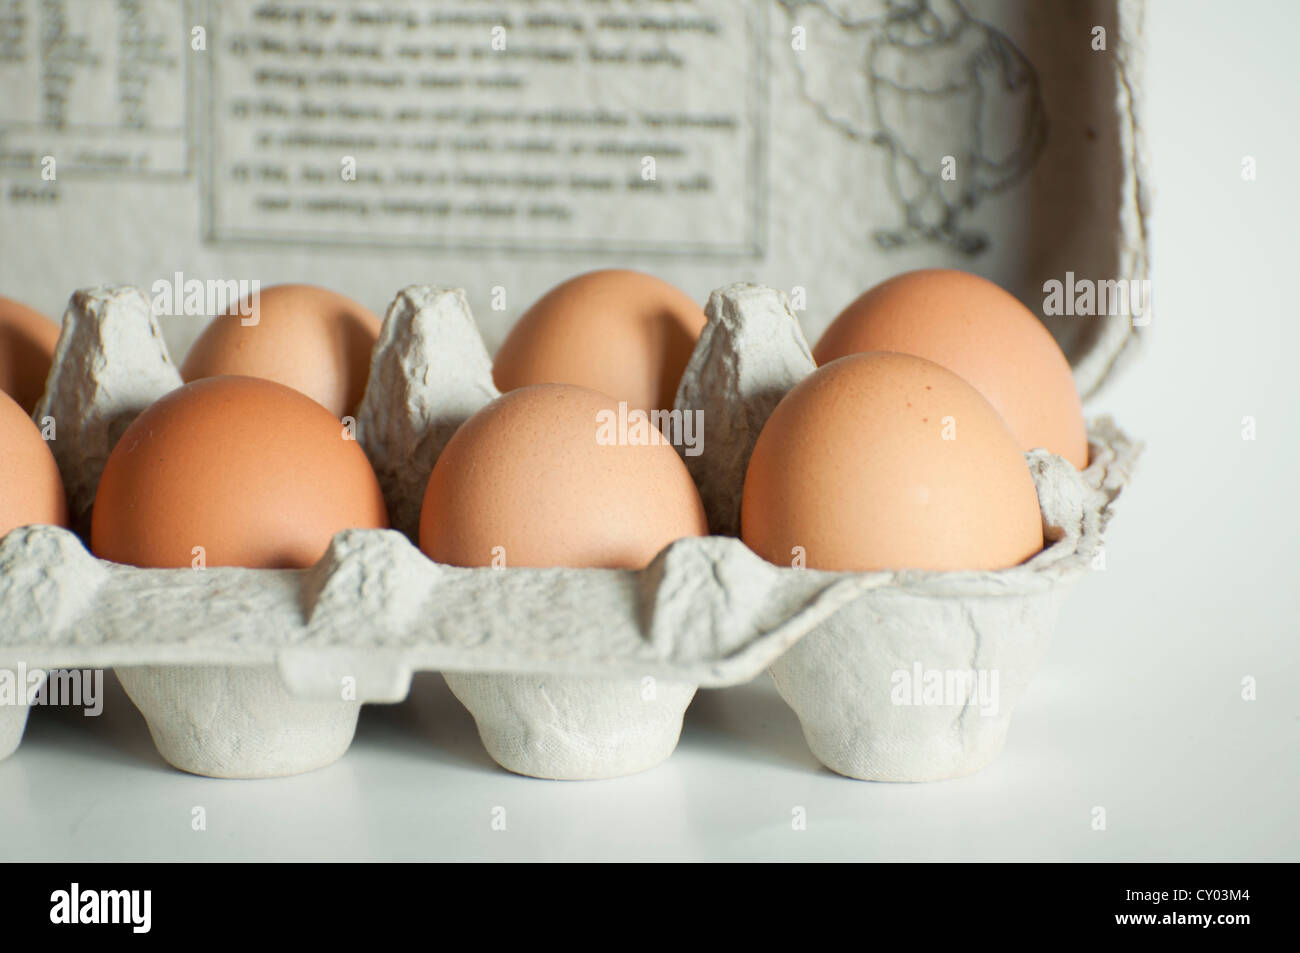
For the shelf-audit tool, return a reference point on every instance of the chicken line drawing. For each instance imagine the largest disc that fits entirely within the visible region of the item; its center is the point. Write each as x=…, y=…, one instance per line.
x=940, y=90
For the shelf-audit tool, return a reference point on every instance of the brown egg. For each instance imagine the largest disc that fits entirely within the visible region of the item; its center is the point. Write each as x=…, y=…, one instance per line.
x=621, y=333
x=31, y=490
x=311, y=339
x=27, y=340
x=889, y=461
x=981, y=333
x=252, y=471
x=527, y=482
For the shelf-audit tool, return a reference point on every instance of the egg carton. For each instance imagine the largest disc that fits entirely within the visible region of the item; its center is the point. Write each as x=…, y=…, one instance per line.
x=569, y=673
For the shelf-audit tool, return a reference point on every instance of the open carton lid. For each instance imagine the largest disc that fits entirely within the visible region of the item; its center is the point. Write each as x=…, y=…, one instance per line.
x=991, y=138
x=818, y=145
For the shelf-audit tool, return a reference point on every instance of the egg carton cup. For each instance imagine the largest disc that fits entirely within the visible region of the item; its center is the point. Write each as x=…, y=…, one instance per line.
x=569, y=673
x=914, y=678
x=13, y=717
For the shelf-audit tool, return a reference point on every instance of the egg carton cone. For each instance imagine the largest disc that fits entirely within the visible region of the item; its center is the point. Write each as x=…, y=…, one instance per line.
x=569, y=673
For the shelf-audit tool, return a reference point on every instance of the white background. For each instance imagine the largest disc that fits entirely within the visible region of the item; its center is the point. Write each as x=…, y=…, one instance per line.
x=1138, y=708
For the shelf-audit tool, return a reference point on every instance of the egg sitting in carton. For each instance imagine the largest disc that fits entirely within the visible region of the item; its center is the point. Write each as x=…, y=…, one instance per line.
x=576, y=658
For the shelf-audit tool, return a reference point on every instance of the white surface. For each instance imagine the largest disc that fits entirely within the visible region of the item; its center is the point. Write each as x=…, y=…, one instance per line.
x=1138, y=707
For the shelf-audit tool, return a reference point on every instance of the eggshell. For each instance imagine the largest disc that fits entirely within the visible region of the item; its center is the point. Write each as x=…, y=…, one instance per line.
x=31, y=490
x=621, y=333
x=311, y=339
x=888, y=461
x=984, y=335
x=27, y=341
x=527, y=474
x=254, y=472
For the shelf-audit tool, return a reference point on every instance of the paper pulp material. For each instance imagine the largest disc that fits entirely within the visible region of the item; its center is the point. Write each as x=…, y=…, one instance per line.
x=570, y=673
x=567, y=728
x=13, y=722
x=916, y=678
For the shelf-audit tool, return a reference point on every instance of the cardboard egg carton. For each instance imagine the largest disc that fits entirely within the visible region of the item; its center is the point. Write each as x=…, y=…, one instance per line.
x=569, y=673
